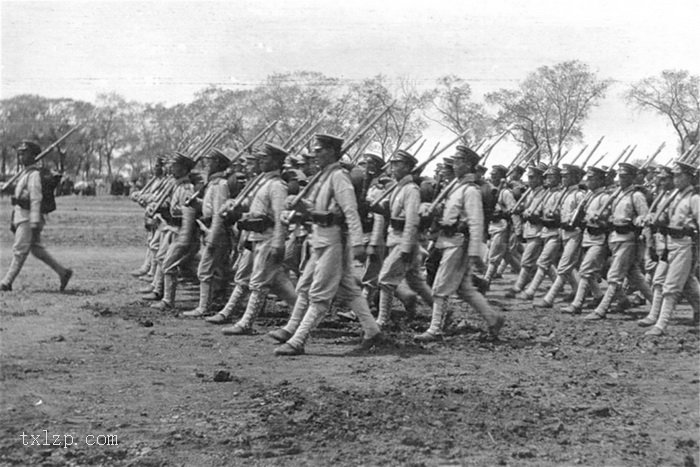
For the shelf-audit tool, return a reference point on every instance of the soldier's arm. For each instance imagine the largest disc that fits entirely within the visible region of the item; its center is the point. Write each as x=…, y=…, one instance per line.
x=409, y=239
x=641, y=208
x=35, y=197
x=219, y=195
x=278, y=195
x=345, y=197
x=475, y=219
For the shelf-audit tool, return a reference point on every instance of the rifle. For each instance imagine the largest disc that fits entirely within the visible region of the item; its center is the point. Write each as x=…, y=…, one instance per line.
x=355, y=138
x=417, y=170
x=413, y=143
x=688, y=156
x=305, y=137
x=629, y=154
x=199, y=193
x=420, y=146
x=232, y=205
x=39, y=157
x=651, y=158
x=585, y=161
x=286, y=142
x=573, y=161
x=488, y=150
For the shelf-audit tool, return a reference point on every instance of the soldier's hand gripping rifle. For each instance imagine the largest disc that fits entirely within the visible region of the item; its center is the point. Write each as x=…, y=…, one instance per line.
x=39, y=157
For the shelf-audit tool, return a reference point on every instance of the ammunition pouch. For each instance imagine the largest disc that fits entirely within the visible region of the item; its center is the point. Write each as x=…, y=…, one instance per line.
x=450, y=230
x=593, y=230
x=327, y=218
x=551, y=223
x=367, y=223
x=499, y=216
x=175, y=221
x=425, y=223
x=533, y=219
x=22, y=203
x=397, y=223
x=256, y=224
x=624, y=229
x=676, y=233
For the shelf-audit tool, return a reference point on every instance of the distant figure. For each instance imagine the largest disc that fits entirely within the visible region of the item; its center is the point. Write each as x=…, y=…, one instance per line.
x=28, y=220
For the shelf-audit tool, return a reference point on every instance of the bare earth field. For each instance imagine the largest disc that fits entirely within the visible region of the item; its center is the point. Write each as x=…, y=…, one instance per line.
x=553, y=390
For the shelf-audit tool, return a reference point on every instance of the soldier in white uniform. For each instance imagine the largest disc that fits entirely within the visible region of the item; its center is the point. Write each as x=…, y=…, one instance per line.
x=403, y=260
x=336, y=238
x=531, y=228
x=28, y=220
x=267, y=235
x=460, y=239
x=627, y=213
x=570, y=235
x=501, y=225
x=681, y=233
x=216, y=247
x=182, y=224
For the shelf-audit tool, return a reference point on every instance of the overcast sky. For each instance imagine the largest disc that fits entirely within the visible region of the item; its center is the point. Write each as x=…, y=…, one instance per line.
x=164, y=51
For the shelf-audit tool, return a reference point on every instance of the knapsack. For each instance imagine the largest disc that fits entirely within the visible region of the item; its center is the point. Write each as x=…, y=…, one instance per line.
x=49, y=182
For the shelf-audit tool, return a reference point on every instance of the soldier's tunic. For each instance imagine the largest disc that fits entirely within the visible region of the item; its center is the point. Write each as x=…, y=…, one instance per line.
x=571, y=235
x=374, y=238
x=216, y=243
x=594, y=237
x=681, y=236
x=551, y=242
x=28, y=190
x=659, y=244
x=531, y=234
x=627, y=214
x=462, y=208
x=328, y=273
x=500, y=232
x=182, y=225
x=402, y=239
x=265, y=209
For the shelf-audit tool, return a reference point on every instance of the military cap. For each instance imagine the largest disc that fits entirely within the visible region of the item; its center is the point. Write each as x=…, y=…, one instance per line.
x=553, y=170
x=160, y=159
x=684, y=168
x=329, y=141
x=466, y=154
x=480, y=168
x=449, y=162
x=499, y=168
x=405, y=157
x=185, y=160
x=373, y=157
x=664, y=171
x=272, y=150
x=570, y=169
x=219, y=155
x=538, y=169
x=595, y=172
x=29, y=146
x=295, y=174
x=518, y=169
x=625, y=168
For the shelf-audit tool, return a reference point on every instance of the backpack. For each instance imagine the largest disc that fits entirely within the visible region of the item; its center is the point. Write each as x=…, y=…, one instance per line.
x=49, y=182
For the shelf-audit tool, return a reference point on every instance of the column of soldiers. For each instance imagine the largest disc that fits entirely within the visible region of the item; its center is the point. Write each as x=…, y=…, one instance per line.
x=296, y=232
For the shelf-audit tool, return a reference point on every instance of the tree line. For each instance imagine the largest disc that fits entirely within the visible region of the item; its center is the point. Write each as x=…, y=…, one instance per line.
x=546, y=110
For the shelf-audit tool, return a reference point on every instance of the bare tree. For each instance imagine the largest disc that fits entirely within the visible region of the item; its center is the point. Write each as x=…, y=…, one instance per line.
x=550, y=105
x=675, y=94
x=458, y=113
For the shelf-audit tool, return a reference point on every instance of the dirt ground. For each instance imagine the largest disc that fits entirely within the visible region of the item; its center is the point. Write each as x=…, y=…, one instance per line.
x=553, y=390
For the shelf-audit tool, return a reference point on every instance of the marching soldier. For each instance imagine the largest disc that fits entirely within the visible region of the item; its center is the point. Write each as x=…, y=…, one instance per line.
x=594, y=236
x=628, y=209
x=336, y=238
x=532, y=227
x=143, y=197
x=373, y=225
x=403, y=260
x=680, y=234
x=266, y=234
x=181, y=223
x=570, y=234
x=547, y=213
x=500, y=226
x=216, y=245
x=460, y=239
x=28, y=220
